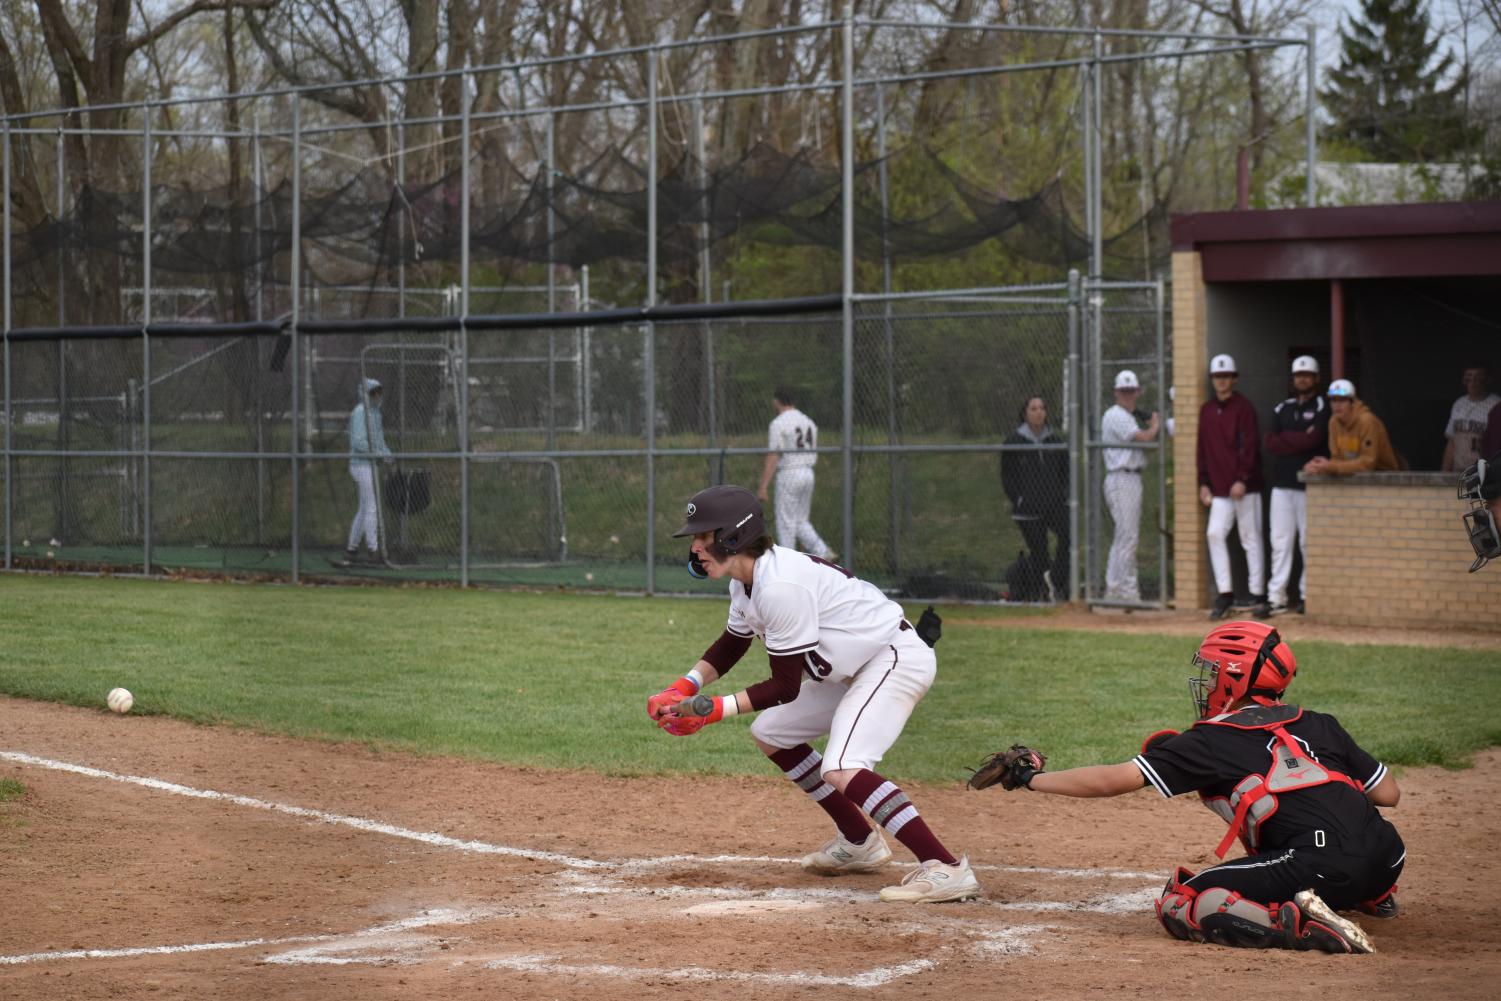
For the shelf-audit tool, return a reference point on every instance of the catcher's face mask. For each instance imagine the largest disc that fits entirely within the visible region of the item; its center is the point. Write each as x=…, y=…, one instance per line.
x=1480, y=520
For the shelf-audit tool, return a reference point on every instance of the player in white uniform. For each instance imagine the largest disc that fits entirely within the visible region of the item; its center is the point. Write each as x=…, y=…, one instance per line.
x=1123, y=468
x=1467, y=420
x=844, y=662
x=790, y=455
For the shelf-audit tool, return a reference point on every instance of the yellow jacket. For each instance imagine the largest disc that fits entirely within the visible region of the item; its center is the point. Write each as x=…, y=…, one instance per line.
x=1359, y=443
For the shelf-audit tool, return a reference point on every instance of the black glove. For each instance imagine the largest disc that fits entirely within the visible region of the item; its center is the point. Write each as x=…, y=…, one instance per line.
x=929, y=627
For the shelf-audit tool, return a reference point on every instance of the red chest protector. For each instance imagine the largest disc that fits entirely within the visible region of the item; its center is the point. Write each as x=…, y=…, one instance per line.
x=1254, y=797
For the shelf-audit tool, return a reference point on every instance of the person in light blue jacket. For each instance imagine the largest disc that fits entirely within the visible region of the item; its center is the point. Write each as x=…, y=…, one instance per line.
x=367, y=442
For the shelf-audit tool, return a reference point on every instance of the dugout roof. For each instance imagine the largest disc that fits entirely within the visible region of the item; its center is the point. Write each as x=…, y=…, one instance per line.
x=1448, y=239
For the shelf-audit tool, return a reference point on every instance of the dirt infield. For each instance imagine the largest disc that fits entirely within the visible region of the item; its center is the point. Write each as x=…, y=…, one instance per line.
x=156, y=859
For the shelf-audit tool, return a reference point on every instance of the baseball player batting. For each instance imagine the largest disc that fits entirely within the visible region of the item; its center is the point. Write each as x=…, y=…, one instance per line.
x=1295, y=788
x=844, y=662
x=792, y=439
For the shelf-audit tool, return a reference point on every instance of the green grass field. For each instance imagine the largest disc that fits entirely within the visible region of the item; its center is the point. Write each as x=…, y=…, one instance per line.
x=561, y=679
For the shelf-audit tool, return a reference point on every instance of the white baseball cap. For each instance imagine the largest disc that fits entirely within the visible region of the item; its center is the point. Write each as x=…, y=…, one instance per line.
x=371, y=385
x=1126, y=379
x=1341, y=389
x=1305, y=363
x=1222, y=365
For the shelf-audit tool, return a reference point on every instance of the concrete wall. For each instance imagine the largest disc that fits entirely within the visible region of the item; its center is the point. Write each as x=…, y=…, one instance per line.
x=1389, y=549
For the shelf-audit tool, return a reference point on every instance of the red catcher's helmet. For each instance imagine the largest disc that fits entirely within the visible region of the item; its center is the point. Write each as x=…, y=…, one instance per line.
x=1239, y=659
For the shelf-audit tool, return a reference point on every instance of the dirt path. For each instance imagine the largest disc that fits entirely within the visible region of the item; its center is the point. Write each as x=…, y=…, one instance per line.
x=339, y=872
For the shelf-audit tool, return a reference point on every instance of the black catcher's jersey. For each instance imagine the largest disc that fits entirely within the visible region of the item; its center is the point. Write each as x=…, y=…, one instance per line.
x=1210, y=759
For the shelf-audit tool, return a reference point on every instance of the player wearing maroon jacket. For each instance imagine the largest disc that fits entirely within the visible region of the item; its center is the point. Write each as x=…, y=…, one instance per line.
x=1229, y=461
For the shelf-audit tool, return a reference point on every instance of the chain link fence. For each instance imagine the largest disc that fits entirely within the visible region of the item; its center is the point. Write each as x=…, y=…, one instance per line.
x=562, y=454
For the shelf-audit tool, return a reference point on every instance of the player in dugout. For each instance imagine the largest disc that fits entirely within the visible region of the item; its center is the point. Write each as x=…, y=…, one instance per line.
x=844, y=662
x=1293, y=786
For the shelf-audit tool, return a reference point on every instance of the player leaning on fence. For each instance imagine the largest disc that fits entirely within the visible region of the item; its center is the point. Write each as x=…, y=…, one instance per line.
x=844, y=662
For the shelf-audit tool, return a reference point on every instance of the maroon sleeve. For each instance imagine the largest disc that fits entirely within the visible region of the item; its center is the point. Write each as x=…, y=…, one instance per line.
x=1491, y=443
x=786, y=678
x=727, y=651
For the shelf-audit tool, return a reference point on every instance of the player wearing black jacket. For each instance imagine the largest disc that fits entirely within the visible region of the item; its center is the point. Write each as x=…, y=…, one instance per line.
x=1299, y=431
x=1296, y=790
x=1036, y=482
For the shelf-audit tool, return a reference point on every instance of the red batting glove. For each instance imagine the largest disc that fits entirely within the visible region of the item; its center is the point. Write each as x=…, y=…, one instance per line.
x=669, y=696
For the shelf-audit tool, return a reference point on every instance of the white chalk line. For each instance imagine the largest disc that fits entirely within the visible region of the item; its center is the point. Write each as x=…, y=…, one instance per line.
x=870, y=978
x=436, y=840
x=358, y=823
x=423, y=920
x=354, y=947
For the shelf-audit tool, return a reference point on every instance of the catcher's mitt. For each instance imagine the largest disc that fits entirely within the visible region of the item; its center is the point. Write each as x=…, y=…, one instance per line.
x=1012, y=768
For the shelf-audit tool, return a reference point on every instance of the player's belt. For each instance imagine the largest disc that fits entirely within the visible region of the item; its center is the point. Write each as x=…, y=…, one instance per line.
x=905, y=626
x=1138, y=471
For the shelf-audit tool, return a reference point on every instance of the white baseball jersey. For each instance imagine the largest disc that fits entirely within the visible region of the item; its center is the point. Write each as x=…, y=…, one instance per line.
x=1118, y=426
x=1467, y=419
x=794, y=435
x=801, y=605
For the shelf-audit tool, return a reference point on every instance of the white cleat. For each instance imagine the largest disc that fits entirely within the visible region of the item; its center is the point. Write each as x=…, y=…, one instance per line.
x=935, y=882
x=1311, y=924
x=841, y=856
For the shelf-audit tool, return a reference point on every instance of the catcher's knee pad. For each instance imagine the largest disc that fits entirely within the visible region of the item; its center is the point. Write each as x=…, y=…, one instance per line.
x=1175, y=907
x=1217, y=915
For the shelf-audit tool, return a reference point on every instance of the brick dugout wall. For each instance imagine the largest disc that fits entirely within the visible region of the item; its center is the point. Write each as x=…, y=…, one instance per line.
x=1389, y=549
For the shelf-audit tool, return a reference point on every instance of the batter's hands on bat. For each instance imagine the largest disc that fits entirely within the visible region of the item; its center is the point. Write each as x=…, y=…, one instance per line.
x=1011, y=769
x=671, y=695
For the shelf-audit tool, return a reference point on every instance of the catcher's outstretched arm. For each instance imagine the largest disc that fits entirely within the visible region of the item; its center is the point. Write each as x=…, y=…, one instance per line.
x=1090, y=781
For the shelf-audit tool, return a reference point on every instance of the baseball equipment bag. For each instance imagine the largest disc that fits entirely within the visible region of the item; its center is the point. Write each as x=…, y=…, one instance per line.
x=407, y=493
x=1012, y=768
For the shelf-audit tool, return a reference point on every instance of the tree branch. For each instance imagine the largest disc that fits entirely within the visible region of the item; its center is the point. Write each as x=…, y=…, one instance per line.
x=151, y=34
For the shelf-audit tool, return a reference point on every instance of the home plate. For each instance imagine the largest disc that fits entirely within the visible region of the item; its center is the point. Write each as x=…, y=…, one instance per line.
x=752, y=906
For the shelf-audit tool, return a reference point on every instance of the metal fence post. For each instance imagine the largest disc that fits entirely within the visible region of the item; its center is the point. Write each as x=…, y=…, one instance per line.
x=894, y=465
x=145, y=337
x=706, y=293
x=5, y=208
x=552, y=292
x=1164, y=541
x=649, y=357
x=1077, y=458
x=1310, y=112
x=294, y=274
x=847, y=284
x=464, y=331
x=1097, y=232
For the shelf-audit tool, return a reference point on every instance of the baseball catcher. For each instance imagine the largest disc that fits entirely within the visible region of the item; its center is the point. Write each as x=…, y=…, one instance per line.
x=1295, y=789
x=844, y=662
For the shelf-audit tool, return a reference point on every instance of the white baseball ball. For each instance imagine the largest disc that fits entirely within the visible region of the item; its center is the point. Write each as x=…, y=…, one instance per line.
x=120, y=700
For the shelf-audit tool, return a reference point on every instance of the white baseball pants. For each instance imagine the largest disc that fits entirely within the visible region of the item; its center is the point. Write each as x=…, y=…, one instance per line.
x=793, y=504
x=1245, y=513
x=1289, y=519
x=863, y=714
x=1123, y=498
x=366, y=524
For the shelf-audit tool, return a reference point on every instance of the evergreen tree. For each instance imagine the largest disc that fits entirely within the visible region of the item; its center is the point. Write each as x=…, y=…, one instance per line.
x=1385, y=98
